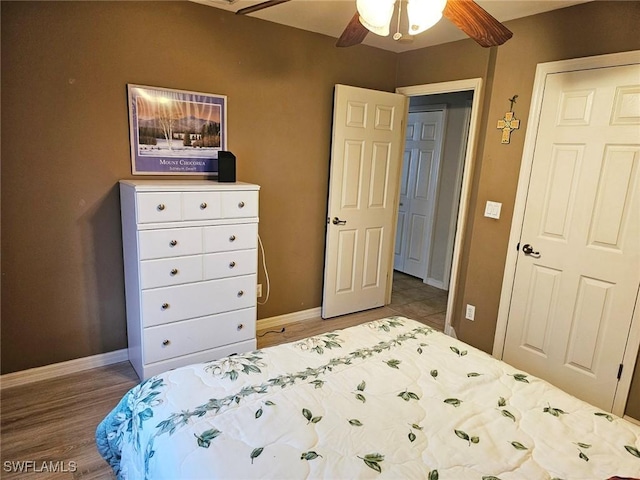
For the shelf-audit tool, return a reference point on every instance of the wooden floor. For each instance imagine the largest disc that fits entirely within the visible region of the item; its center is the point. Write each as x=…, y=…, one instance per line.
x=51, y=423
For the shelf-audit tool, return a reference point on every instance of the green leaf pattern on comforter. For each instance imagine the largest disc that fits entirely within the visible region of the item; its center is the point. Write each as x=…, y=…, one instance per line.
x=387, y=399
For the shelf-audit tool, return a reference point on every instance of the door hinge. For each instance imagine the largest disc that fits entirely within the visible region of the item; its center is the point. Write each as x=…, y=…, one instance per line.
x=620, y=371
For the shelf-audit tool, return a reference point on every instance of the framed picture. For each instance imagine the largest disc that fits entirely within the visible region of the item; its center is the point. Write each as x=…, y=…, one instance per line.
x=175, y=132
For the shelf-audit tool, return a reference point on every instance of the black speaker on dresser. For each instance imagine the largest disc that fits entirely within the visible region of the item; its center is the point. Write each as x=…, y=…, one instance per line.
x=226, y=166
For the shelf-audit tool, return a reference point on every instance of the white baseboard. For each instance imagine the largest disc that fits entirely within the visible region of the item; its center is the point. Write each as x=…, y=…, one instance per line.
x=63, y=368
x=435, y=283
x=289, y=318
x=448, y=330
x=631, y=419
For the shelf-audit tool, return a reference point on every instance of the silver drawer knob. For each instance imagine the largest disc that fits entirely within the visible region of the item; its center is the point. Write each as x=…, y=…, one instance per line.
x=240, y=326
x=241, y=205
x=232, y=238
x=165, y=343
x=232, y=264
x=161, y=207
x=174, y=271
x=173, y=243
x=203, y=205
x=240, y=293
x=165, y=306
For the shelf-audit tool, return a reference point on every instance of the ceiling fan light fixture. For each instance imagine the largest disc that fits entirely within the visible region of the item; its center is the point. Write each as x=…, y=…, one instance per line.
x=424, y=14
x=376, y=15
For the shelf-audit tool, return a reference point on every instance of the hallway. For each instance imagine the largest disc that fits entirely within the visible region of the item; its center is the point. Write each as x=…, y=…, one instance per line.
x=412, y=298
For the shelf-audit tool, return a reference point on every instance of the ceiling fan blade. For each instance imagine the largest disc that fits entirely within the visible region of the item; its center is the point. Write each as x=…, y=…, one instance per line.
x=353, y=34
x=476, y=22
x=260, y=6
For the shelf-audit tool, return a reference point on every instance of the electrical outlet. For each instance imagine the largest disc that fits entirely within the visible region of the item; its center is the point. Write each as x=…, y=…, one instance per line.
x=259, y=290
x=471, y=312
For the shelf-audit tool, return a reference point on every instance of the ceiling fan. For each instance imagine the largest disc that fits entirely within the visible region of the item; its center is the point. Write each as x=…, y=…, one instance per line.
x=467, y=15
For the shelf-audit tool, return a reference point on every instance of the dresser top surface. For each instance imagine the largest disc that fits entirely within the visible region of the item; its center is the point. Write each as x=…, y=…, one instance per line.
x=186, y=185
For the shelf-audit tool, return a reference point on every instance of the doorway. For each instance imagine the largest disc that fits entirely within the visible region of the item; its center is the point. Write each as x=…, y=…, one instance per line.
x=340, y=226
x=431, y=182
x=418, y=191
x=462, y=99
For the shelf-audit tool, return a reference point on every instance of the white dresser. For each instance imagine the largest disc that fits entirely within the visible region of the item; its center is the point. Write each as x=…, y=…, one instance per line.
x=190, y=263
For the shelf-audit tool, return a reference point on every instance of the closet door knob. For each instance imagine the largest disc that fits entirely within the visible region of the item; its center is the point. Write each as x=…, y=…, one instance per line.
x=161, y=207
x=165, y=343
x=173, y=243
x=232, y=238
x=203, y=205
x=174, y=271
x=240, y=326
x=232, y=264
x=528, y=250
x=241, y=205
x=240, y=293
x=165, y=306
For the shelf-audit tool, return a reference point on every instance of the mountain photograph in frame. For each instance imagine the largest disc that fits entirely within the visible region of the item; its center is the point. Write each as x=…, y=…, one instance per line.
x=175, y=132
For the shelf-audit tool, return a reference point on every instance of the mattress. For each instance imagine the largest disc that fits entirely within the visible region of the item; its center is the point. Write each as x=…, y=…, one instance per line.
x=388, y=399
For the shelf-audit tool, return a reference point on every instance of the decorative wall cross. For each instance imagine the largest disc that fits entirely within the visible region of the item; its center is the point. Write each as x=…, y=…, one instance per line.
x=509, y=123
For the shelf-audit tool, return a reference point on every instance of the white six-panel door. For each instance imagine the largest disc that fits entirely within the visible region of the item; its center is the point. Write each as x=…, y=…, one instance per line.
x=577, y=281
x=364, y=177
x=418, y=192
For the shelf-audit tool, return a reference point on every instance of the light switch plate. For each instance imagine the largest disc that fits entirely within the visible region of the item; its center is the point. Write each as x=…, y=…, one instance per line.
x=492, y=210
x=470, y=313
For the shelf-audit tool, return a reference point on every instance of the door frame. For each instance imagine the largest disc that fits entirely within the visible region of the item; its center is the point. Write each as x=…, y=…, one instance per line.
x=474, y=85
x=542, y=71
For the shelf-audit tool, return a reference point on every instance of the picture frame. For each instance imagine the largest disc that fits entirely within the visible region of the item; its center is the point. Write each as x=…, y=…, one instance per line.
x=175, y=132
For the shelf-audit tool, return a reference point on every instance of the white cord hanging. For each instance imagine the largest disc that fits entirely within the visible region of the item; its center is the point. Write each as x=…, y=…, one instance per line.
x=266, y=273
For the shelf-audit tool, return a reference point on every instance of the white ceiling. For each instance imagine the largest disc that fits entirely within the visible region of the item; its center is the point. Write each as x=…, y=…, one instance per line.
x=329, y=17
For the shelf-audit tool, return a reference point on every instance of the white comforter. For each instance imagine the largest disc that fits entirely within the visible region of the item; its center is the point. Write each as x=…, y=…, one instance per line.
x=387, y=399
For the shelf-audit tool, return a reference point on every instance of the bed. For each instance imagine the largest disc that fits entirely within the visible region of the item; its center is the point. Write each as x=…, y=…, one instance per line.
x=391, y=398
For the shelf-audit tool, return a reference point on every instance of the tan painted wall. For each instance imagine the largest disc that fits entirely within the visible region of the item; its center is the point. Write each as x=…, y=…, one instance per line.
x=65, y=66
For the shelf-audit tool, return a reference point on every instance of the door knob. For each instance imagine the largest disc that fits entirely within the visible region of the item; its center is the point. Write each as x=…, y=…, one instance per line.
x=528, y=250
x=337, y=221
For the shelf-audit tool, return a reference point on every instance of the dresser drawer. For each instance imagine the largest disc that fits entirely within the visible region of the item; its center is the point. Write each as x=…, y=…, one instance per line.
x=170, y=271
x=209, y=355
x=170, y=304
x=240, y=204
x=230, y=264
x=201, y=205
x=190, y=336
x=230, y=237
x=158, y=207
x=170, y=242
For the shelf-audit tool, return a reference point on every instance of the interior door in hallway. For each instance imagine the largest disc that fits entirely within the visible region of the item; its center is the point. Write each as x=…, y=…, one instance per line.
x=578, y=270
x=418, y=192
x=363, y=184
